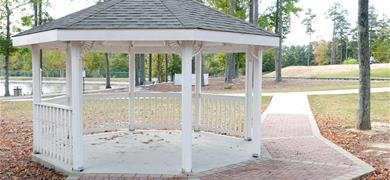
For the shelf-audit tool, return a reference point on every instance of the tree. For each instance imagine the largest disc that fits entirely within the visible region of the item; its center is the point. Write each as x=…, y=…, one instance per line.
x=150, y=67
x=269, y=20
x=142, y=70
x=108, y=79
x=235, y=8
x=230, y=63
x=379, y=34
x=6, y=43
x=256, y=12
x=278, y=60
x=340, y=28
x=308, y=22
x=321, y=53
x=363, y=121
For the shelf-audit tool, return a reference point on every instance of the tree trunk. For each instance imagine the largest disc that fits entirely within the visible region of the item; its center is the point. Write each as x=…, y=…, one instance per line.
x=40, y=12
x=278, y=61
x=166, y=67
x=142, y=69
x=158, y=68
x=35, y=7
x=237, y=66
x=309, y=51
x=230, y=60
x=251, y=11
x=137, y=78
x=256, y=12
x=7, y=50
x=150, y=67
x=193, y=65
x=363, y=121
x=108, y=80
x=333, y=50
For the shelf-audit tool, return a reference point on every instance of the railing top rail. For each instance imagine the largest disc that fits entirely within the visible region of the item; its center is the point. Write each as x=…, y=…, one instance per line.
x=224, y=96
x=54, y=105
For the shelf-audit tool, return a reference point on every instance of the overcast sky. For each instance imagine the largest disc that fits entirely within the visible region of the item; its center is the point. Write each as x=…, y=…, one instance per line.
x=322, y=26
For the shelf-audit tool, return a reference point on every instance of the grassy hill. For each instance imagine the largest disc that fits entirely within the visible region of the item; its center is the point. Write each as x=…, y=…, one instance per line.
x=333, y=71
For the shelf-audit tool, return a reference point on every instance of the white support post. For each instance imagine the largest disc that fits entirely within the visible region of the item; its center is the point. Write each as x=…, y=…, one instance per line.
x=77, y=107
x=248, y=96
x=37, y=89
x=131, y=90
x=68, y=75
x=186, y=115
x=257, y=103
x=198, y=90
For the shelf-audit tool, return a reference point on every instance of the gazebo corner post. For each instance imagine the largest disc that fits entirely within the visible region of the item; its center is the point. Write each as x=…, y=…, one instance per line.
x=248, y=95
x=77, y=107
x=186, y=111
x=198, y=90
x=131, y=89
x=37, y=89
x=257, y=86
x=68, y=75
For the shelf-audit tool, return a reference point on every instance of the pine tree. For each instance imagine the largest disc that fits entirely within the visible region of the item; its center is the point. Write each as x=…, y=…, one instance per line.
x=363, y=121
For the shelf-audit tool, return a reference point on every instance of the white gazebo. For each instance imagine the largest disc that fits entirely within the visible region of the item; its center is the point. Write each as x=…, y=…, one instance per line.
x=65, y=130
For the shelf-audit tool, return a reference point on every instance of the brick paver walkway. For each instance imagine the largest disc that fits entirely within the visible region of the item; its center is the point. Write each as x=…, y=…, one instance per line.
x=293, y=149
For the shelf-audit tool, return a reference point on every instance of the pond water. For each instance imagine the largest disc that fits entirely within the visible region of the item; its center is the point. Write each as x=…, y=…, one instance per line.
x=47, y=88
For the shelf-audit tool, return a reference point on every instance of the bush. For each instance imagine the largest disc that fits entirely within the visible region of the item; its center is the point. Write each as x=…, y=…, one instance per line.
x=351, y=61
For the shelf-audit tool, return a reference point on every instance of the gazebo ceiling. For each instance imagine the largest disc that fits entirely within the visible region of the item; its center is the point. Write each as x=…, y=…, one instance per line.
x=151, y=20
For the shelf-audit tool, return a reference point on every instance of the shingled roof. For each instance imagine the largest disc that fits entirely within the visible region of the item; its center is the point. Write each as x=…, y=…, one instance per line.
x=150, y=14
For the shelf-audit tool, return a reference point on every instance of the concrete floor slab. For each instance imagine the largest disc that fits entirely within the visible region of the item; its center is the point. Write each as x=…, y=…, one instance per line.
x=159, y=152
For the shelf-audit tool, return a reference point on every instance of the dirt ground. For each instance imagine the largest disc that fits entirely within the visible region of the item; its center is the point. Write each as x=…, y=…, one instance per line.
x=370, y=146
x=269, y=85
x=15, y=144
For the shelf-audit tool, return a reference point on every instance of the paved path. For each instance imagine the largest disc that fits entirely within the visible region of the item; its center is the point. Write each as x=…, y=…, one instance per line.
x=293, y=149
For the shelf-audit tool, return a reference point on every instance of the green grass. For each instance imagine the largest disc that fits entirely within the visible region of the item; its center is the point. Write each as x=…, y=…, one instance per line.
x=347, y=85
x=375, y=73
x=344, y=107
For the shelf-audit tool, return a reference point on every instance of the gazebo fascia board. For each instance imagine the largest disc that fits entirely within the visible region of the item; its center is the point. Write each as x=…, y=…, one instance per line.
x=63, y=35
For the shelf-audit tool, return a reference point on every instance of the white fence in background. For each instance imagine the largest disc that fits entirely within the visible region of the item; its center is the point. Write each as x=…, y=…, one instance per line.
x=179, y=79
x=222, y=114
x=54, y=138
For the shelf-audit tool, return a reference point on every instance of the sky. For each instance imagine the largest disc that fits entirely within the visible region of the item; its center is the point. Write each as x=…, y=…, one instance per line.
x=297, y=36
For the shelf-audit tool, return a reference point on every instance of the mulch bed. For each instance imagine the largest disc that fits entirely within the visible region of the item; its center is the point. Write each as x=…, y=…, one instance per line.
x=16, y=148
x=356, y=142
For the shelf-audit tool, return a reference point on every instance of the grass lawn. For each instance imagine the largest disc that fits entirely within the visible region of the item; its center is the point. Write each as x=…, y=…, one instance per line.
x=375, y=73
x=344, y=107
x=333, y=71
x=324, y=87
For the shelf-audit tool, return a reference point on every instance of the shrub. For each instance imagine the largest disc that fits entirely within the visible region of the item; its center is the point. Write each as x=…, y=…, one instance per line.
x=351, y=61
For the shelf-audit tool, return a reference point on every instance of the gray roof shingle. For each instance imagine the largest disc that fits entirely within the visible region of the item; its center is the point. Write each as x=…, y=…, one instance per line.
x=150, y=14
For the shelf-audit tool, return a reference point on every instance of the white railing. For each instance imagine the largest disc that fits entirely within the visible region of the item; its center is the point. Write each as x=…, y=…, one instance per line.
x=157, y=110
x=109, y=112
x=55, y=131
x=105, y=112
x=222, y=114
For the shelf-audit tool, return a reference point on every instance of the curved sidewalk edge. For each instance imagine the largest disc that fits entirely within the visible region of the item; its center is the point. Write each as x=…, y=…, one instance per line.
x=295, y=104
